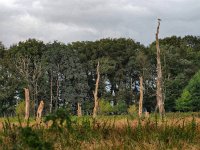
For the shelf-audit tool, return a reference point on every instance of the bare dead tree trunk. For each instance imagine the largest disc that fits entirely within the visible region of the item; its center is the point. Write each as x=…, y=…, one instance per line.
x=141, y=97
x=159, y=94
x=95, y=93
x=51, y=93
x=79, y=110
x=27, y=103
x=39, y=111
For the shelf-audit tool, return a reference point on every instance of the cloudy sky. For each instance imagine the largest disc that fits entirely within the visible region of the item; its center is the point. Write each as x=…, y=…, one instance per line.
x=73, y=20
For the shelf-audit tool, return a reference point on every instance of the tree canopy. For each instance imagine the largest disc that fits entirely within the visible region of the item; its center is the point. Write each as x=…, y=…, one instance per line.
x=190, y=98
x=64, y=74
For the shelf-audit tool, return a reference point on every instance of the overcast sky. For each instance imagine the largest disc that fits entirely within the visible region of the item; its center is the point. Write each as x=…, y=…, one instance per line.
x=75, y=20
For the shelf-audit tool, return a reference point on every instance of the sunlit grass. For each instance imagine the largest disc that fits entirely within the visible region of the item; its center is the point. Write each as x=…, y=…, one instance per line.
x=175, y=131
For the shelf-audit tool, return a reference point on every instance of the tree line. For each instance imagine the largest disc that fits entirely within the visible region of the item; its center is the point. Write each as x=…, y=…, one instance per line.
x=64, y=75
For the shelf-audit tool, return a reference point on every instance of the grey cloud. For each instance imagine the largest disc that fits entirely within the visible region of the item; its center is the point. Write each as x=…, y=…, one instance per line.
x=72, y=20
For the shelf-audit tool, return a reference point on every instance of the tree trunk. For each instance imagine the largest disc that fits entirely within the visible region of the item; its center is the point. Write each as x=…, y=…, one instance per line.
x=79, y=110
x=159, y=94
x=51, y=93
x=95, y=93
x=141, y=97
x=27, y=103
x=35, y=96
x=131, y=92
x=36, y=93
x=57, y=92
x=39, y=111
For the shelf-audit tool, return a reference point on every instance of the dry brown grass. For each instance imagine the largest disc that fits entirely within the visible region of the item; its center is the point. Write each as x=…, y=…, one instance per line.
x=122, y=133
x=121, y=123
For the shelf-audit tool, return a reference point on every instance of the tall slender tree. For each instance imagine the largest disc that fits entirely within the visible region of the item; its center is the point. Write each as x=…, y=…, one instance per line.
x=159, y=94
x=27, y=103
x=141, y=97
x=96, y=101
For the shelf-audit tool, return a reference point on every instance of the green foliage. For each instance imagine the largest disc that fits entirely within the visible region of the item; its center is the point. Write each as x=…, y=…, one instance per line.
x=60, y=119
x=23, y=137
x=63, y=64
x=184, y=103
x=31, y=138
x=8, y=84
x=190, y=98
x=180, y=61
x=20, y=109
x=70, y=71
x=121, y=107
x=132, y=110
x=105, y=107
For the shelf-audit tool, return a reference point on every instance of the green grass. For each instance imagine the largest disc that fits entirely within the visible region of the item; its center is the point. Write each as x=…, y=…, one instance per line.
x=16, y=119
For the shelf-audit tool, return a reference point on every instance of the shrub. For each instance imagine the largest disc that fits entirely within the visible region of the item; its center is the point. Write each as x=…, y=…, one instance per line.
x=20, y=108
x=105, y=107
x=184, y=103
x=132, y=110
x=121, y=107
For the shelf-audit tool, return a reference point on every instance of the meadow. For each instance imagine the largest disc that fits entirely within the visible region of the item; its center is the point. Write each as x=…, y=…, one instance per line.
x=61, y=131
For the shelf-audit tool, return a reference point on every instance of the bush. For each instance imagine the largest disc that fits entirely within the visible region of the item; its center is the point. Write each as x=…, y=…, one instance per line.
x=20, y=108
x=132, y=110
x=184, y=103
x=121, y=107
x=104, y=107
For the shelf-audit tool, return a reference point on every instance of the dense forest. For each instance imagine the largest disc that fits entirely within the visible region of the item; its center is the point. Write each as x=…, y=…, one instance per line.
x=64, y=75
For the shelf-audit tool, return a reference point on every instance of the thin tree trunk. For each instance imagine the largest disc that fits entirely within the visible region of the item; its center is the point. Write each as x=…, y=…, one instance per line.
x=95, y=93
x=27, y=103
x=57, y=92
x=39, y=111
x=141, y=97
x=79, y=110
x=51, y=93
x=33, y=98
x=159, y=94
x=35, y=95
x=57, y=86
x=131, y=92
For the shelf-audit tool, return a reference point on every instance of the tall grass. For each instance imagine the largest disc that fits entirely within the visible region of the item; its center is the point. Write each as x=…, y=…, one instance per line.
x=61, y=131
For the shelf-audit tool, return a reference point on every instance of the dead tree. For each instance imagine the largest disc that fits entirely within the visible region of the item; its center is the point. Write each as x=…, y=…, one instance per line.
x=40, y=109
x=141, y=97
x=159, y=94
x=95, y=93
x=30, y=74
x=79, y=110
x=27, y=103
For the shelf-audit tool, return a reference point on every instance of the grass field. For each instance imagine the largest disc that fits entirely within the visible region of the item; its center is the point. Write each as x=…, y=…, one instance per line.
x=60, y=131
